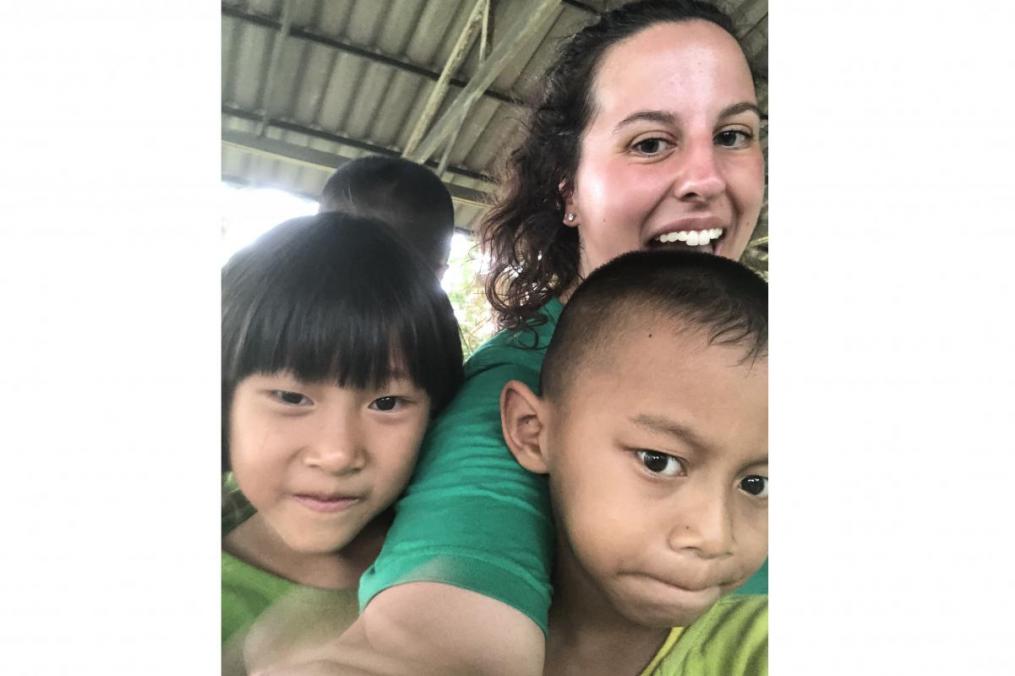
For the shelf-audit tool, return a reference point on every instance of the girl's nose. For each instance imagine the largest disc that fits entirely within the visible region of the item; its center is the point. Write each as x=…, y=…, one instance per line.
x=337, y=448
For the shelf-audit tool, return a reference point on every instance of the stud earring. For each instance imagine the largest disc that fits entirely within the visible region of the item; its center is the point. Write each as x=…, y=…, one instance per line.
x=570, y=217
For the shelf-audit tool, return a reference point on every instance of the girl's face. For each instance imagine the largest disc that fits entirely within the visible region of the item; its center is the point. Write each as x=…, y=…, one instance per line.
x=672, y=153
x=319, y=461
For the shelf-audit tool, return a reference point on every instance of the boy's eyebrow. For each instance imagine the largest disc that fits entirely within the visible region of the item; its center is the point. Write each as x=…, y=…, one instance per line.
x=658, y=423
x=666, y=117
x=665, y=425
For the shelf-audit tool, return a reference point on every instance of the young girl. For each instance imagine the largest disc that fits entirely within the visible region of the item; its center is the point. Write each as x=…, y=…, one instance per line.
x=338, y=347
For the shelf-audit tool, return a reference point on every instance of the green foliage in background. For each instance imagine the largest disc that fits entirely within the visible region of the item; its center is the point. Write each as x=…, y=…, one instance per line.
x=465, y=290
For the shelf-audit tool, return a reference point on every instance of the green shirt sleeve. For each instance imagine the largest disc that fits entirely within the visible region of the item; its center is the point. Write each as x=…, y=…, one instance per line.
x=472, y=517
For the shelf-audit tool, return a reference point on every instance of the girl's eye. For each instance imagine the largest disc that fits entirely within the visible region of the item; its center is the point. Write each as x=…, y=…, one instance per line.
x=734, y=138
x=651, y=146
x=385, y=403
x=755, y=485
x=291, y=398
x=661, y=463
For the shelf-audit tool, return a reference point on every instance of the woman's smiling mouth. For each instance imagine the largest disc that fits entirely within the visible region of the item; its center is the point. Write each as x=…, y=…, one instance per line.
x=691, y=237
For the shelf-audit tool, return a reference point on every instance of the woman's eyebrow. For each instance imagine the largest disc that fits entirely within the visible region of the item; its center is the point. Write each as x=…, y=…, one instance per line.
x=660, y=116
x=737, y=108
x=668, y=118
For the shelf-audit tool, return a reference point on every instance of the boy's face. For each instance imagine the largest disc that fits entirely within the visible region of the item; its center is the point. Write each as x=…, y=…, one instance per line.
x=657, y=456
x=319, y=461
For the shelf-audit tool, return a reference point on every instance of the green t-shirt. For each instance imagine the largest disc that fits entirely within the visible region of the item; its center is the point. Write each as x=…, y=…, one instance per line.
x=248, y=591
x=472, y=516
x=731, y=639
x=265, y=618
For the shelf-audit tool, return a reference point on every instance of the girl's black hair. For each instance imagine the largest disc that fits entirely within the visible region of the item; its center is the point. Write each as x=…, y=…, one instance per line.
x=534, y=256
x=336, y=297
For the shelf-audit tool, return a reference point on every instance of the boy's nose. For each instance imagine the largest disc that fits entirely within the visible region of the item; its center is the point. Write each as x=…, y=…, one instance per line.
x=698, y=177
x=704, y=527
x=337, y=449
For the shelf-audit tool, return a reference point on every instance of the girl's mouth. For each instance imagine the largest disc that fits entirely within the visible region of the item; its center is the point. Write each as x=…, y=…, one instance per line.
x=326, y=504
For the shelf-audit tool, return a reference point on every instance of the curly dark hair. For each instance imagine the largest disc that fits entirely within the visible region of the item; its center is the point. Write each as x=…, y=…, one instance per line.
x=534, y=255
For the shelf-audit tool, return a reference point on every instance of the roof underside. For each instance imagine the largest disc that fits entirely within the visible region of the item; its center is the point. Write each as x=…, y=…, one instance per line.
x=309, y=84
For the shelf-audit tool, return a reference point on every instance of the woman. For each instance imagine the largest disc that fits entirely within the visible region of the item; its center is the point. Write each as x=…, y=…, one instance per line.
x=646, y=134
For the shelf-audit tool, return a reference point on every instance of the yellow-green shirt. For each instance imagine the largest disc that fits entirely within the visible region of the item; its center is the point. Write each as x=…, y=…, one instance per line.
x=731, y=639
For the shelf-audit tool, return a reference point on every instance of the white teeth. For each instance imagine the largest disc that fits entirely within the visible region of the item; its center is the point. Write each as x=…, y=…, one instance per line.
x=692, y=237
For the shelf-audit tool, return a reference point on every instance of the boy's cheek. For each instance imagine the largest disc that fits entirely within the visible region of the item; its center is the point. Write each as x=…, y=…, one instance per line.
x=754, y=540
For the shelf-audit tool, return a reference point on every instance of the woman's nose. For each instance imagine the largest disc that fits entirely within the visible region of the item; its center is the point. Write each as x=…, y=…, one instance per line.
x=699, y=175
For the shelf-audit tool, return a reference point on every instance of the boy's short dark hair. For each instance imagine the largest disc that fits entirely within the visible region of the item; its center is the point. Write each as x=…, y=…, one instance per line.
x=406, y=196
x=718, y=295
x=334, y=296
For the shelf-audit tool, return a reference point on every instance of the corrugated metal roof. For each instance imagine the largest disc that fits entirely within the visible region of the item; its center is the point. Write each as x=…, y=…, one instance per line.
x=309, y=83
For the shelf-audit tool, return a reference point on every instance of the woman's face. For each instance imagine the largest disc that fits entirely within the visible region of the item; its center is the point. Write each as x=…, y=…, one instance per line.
x=672, y=154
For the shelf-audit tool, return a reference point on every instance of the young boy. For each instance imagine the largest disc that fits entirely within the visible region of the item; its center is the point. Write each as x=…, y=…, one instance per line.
x=407, y=197
x=652, y=428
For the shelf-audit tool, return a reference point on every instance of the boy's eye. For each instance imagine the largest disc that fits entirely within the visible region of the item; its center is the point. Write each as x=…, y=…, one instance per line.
x=651, y=146
x=291, y=398
x=661, y=463
x=385, y=403
x=755, y=485
x=733, y=138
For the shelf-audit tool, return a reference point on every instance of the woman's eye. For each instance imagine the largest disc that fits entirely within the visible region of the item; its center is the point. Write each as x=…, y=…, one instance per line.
x=661, y=463
x=291, y=398
x=755, y=485
x=651, y=146
x=385, y=403
x=734, y=138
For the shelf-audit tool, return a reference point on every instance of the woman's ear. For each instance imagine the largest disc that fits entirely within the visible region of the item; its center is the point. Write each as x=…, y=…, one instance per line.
x=566, y=190
x=522, y=419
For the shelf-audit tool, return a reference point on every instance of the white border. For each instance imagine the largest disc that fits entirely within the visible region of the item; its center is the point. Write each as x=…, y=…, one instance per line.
x=109, y=272
x=893, y=364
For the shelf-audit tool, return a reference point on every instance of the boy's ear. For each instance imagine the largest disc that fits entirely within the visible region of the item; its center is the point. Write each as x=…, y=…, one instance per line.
x=522, y=418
